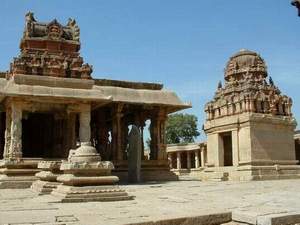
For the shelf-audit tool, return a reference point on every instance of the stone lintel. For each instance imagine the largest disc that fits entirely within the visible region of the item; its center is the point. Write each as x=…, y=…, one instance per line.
x=53, y=81
x=246, y=119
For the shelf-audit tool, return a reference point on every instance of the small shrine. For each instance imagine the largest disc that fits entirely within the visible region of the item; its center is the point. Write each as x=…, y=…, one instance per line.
x=249, y=124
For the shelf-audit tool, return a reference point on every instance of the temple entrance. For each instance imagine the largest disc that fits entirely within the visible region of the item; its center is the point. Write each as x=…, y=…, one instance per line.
x=43, y=136
x=227, y=147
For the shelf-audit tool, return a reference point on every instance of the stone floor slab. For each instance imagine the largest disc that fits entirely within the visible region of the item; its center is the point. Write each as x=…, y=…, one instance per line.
x=249, y=202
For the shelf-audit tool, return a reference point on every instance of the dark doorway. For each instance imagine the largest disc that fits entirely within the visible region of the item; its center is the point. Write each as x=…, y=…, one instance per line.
x=38, y=135
x=227, y=146
x=297, y=149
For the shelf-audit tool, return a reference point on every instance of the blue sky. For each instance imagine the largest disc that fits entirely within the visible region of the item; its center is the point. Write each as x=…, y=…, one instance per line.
x=182, y=44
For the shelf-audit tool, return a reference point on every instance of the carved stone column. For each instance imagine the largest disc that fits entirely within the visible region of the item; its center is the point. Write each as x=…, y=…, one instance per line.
x=125, y=133
x=142, y=125
x=7, y=133
x=117, y=133
x=202, y=157
x=230, y=109
x=71, y=132
x=86, y=152
x=157, y=132
x=178, y=160
x=162, y=154
x=15, y=150
x=84, y=124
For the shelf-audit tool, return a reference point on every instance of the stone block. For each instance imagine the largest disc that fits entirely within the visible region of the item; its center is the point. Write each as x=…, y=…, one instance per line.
x=90, y=193
x=279, y=219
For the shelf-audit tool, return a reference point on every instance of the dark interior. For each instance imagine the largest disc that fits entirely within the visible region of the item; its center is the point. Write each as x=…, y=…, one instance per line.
x=38, y=135
x=227, y=145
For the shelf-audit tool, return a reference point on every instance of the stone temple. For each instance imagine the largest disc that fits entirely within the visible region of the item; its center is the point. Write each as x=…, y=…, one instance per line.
x=249, y=125
x=50, y=104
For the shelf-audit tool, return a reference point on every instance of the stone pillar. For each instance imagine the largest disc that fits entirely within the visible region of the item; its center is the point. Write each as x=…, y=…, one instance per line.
x=220, y=154
x=235, y=147
x=139, y=121
x=238, y=107
x=84, y=124
x=7, y=133
x=157, y=132
x=252, y=106
x=280, y=107
x=154, y=141
x=207, y=112
x=117, y=133
x=188, y=158
x=243, y=105
x=125, y=132
x=197, y=159
x=258, y=106
x=162, y=154
x=71, y=136
x=210, y=114
x=202, y=156
x=230, y=109
x=142, y=125
x=248, y=104
x=86, y=152
x=266, y=106
x=178, y=160
x=15, y=150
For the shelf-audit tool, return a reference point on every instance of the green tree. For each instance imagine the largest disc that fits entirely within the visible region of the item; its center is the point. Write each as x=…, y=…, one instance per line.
x=181, y=128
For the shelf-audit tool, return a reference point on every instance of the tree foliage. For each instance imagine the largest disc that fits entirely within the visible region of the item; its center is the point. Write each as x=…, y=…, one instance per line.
x=181, y=128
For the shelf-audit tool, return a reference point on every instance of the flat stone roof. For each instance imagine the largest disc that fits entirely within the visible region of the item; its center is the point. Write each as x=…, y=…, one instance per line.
x=141, y=96
x=183, y=147
x=128, y=84
x=90, y=90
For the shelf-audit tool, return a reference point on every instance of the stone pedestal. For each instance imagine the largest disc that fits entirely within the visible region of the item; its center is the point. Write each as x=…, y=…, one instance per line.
x=87, y=178
x=48, y=177
x=17, y=174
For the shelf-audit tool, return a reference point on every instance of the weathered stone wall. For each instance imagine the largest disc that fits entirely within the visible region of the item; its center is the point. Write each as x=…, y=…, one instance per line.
x=272, y=142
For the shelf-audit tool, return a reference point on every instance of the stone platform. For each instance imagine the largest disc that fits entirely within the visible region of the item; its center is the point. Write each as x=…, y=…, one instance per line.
x=180, y=202
x=18, y=174
x=48, y=177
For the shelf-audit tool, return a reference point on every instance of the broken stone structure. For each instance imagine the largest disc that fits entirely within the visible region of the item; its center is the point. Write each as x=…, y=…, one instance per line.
x=50, y=104
x=47, y=178
x=249, y=125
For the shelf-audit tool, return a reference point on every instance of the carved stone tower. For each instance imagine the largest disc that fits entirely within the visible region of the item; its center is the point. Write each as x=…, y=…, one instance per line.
x=50, y=50
x=249, y=123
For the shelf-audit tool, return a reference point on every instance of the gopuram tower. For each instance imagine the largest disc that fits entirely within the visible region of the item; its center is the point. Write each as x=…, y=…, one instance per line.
x=249, y=125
